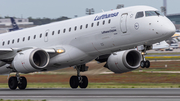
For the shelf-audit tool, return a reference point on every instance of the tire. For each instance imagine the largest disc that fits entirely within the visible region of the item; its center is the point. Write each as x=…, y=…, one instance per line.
x=142, y=64
x=23, y=83
x=147, y=63
x=74, y=82
x=12, y=83
x=84, y=82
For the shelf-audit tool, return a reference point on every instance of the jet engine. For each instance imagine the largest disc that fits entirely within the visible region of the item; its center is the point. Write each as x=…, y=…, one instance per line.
x=124, y=61
x=30, y=60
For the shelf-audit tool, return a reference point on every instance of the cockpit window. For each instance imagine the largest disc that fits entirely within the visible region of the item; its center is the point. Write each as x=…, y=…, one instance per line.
x=139, y=15
x=152, y=13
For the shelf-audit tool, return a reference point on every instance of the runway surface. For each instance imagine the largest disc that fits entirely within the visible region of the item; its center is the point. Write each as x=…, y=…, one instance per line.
x=62, y=94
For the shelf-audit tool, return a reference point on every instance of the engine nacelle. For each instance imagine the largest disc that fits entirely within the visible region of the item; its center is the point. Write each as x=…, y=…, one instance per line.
x=30, y=60
x=124, y=61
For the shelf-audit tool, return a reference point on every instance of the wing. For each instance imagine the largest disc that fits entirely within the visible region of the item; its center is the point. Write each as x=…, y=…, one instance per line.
x=5, y=50
x=9, y=53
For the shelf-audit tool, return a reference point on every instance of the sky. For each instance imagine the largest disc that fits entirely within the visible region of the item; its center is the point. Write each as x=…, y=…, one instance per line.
x=70, y=8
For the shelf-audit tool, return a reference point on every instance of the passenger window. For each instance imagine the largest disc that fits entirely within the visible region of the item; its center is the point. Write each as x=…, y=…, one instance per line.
x=97, y=23
x=53, y=33
x=29, y=38
x=81, y=27
x=109, y=21
x=58, y=31
x=12, y=41
x=8, y=42
x=86, y=25
x=3, y=43
x=34, y=36
x=40, y=35
x=46, y=33
x=69, y=29
x=75, y=28
x=92, y=24
x=103, y=22
x=18, y=40
x=139, y=15
x=64, y=30
x=23, y=38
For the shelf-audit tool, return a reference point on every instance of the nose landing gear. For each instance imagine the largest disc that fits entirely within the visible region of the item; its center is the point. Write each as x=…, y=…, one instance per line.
x=145, y=63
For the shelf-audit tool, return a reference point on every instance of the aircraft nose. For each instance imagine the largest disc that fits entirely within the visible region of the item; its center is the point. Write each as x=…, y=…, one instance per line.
x=170, y=28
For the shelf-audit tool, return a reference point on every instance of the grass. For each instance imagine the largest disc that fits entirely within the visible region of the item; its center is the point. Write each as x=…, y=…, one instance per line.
x=145, y=70
x=162, y=57
x=40, y=85
x=174, y=53
x=48, y=85
x=133, y=85
x=102, y=85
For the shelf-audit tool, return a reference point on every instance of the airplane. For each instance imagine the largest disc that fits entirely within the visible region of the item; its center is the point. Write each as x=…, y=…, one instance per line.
x=169, y=44
x=160, y=45
x=174, y=41
x=75, y=42
x=14, y=25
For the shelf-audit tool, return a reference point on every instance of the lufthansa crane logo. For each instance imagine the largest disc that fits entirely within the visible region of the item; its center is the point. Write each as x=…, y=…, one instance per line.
x=136, y=26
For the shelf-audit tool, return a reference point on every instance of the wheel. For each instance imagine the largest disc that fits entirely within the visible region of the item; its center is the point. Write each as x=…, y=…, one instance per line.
x=12, y=83
x=23, y=83
x=74, y=82
x=147, y=63
x=142, y=64
x=84, y=82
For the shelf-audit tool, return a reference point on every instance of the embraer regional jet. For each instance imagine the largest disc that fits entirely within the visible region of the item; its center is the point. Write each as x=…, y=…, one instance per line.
x=107, y=37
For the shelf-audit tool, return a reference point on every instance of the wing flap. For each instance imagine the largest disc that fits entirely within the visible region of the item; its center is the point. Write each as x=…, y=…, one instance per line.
x=50, y=50
x=5, y=50
x=9, y=53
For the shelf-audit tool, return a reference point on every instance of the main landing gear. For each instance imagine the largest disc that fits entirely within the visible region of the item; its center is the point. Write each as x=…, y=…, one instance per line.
x=81, y=81
x=17, y=81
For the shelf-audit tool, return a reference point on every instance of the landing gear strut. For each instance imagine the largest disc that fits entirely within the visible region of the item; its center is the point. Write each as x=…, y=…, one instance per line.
x=144, y=63
x=81, y=81
x=17, y=81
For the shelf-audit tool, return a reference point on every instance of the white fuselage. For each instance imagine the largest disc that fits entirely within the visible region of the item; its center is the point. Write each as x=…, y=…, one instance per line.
x=117, y=30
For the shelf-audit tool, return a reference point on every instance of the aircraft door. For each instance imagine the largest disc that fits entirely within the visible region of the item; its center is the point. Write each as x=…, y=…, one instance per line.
x=46, y=36
x=123, y=22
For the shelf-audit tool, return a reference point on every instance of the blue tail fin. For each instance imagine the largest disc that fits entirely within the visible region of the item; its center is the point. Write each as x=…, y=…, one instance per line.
x=14, y=25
